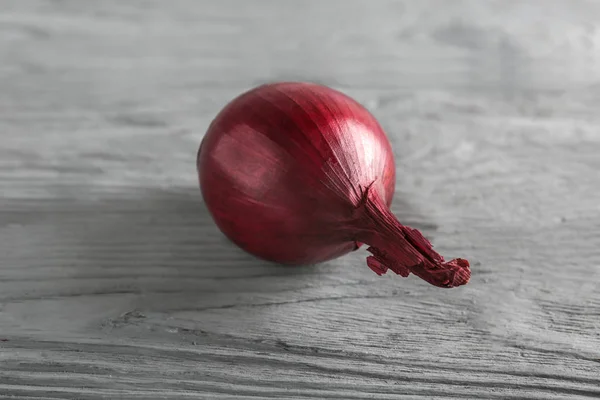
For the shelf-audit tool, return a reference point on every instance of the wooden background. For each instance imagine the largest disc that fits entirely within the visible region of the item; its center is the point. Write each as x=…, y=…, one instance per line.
x=115, y=284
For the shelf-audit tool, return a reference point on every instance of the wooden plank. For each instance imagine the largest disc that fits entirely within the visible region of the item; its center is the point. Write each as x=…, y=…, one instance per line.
x=115, y=284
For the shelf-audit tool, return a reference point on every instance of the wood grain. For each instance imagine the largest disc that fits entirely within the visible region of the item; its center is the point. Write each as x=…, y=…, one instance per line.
x=115, y=284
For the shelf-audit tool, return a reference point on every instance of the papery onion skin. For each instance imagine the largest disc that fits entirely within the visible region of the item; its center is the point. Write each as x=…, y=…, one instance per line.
x=289, y=172
x=267, y=157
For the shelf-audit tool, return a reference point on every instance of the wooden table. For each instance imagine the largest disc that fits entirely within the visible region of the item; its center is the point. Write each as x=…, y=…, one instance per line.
x=115, y=284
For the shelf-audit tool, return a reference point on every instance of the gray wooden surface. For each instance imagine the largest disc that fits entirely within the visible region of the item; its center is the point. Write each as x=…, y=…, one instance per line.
x=115, y=284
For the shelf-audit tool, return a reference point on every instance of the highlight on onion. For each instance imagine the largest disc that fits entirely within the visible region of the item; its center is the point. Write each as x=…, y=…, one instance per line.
x=299, y=173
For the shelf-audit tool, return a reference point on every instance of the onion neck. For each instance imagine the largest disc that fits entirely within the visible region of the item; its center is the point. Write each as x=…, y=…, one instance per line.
x=402, y=249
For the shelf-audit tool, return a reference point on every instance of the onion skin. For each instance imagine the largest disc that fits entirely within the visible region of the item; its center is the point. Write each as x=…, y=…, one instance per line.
x=299, y=173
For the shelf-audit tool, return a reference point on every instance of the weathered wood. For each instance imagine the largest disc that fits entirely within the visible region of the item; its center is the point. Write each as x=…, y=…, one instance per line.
x=115, y=284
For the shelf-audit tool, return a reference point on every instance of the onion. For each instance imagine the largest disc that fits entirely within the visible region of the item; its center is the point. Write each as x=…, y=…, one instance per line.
x=299, y=173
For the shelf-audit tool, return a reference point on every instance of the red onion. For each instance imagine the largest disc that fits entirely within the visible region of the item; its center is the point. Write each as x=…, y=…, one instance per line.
x=299, y=173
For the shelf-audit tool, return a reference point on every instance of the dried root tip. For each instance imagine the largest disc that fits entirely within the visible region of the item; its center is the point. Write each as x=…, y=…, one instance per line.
x=443, y=274
x=377, y=262
x=376, y=266
x=403, y=249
